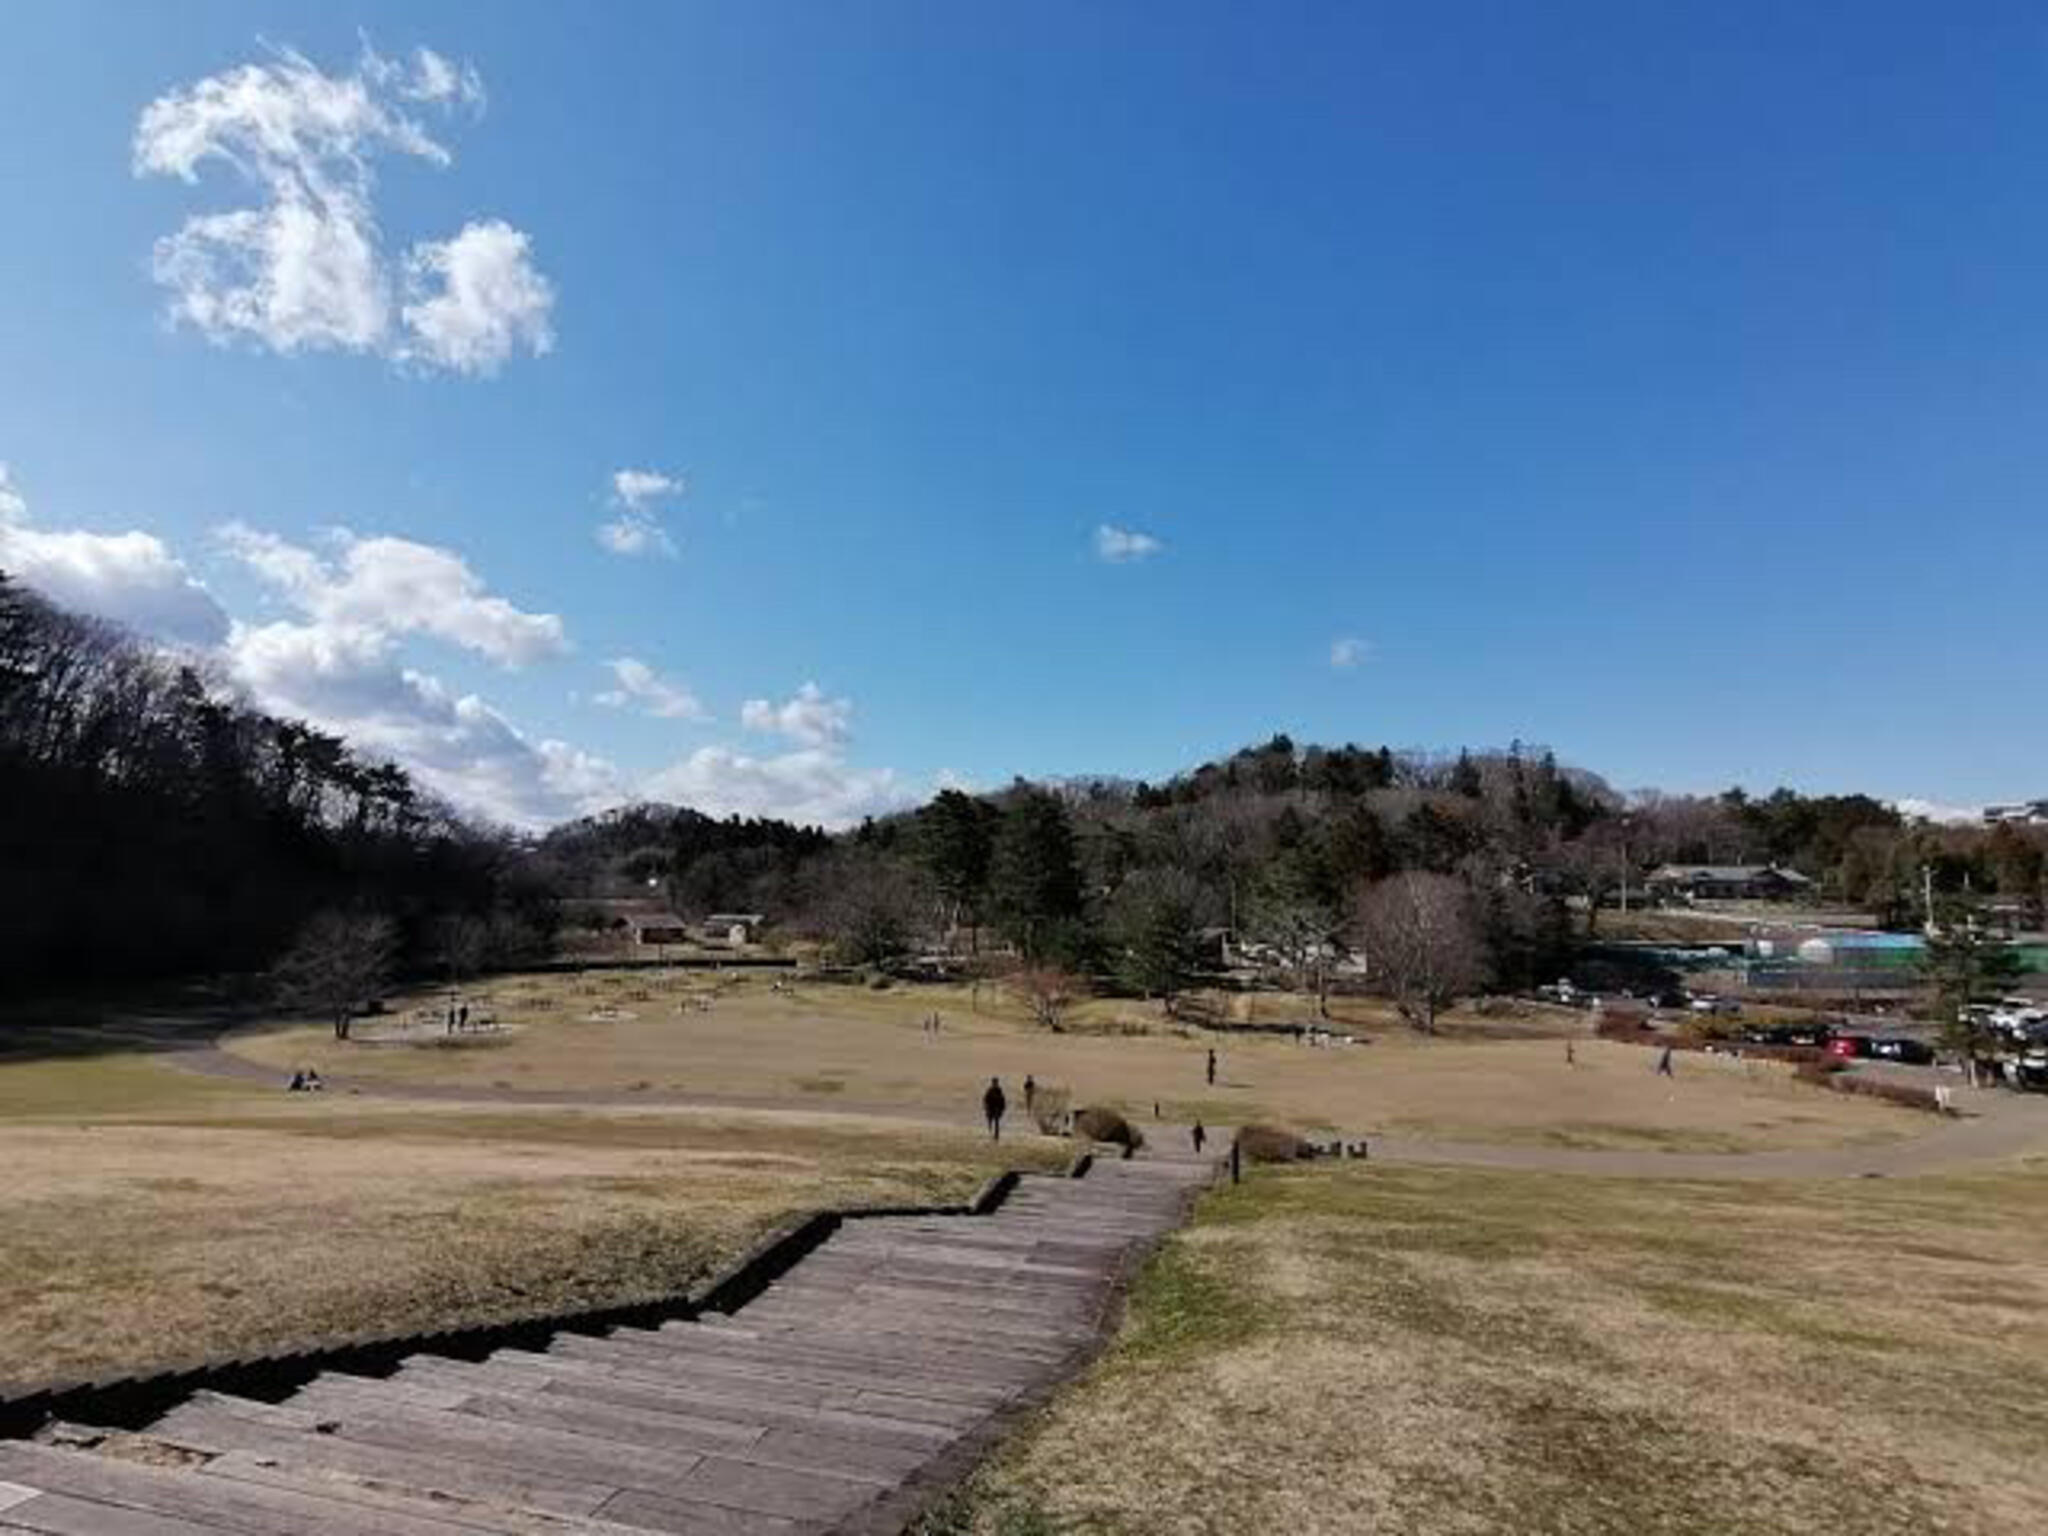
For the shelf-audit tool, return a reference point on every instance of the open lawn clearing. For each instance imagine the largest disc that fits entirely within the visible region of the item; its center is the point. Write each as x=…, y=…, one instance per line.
x=230, y=1225
x=850, y=1047
x=92, y=1084
x=1431, y=1351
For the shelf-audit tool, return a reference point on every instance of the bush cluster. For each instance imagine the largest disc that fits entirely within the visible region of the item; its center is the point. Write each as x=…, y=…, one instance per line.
x=1106, y=1125
x=1273, y=1144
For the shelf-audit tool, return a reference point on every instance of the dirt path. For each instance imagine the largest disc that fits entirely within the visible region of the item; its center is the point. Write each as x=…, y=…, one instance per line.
x=1995, y=1125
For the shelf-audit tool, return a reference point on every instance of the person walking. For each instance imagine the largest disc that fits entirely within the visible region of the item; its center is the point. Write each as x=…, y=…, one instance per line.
x=1212, y=1066
x=1569, y=1058
x=1664, y=1063
x=1198, y=1136
x=993, y=1104
x=1030, y=1092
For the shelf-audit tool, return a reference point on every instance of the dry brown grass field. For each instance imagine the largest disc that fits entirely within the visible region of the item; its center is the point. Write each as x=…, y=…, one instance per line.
x=1344, y=1350
x=1335, y=1348
x=1486, y=1078
x=154, y=1217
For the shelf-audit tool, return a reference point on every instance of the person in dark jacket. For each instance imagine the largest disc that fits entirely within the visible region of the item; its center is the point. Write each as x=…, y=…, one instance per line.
x=1198, y=1136
x=993, y=1104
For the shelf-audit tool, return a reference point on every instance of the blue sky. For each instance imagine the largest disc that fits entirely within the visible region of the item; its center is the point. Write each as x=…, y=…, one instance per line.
x=1662, y=383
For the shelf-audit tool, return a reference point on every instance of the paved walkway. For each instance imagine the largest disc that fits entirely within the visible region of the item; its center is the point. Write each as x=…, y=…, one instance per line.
x=881, y=1365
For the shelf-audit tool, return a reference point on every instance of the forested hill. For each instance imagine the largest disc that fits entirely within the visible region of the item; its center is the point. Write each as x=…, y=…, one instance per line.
x=151, y=825
x=1278, y=843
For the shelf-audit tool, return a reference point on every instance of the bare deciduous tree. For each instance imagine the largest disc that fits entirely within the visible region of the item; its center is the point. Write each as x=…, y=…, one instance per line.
x=1049, y=991
x=1422, y=943
x=340, y=963
x=461, y=942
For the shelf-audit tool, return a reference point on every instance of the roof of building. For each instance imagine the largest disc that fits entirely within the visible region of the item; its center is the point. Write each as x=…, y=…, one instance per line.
x=1731, y=873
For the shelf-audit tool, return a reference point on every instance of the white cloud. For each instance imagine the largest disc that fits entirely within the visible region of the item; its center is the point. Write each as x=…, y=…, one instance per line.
x=13, y=505
x=476, y=300
x=637, y=487
x=809, y=719
x=1916, y=809
x=640, y=685
x=304, y=269
x=338, y=662
x=811, y=786
x=396, y=586
x=130, y=578
x=1348, y=652
x=435, y=78
x=814, y=784
x=1122, y=546
x=638, y=529
x=346, y=678
x=338, y=666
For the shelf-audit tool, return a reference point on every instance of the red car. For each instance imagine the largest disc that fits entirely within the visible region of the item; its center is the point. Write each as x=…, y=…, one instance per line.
x=1848, y=1047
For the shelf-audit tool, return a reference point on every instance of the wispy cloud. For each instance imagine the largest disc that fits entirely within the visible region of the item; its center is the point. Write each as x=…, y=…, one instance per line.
x=809, y=718
x=1348, y=652
x=304, y=269
x=641, y=687
x=638, y=529
x=1122, y=546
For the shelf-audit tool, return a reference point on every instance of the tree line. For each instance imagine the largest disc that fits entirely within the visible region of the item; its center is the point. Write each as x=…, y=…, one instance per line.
x=1485, y=867
x=152, y=823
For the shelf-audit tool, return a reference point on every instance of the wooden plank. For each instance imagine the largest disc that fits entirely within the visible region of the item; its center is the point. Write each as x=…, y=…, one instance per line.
x=183, y=1493
x=59, y=1514
x=467, y=1515
x=678, y=1518
x=992, y=1378
x=664, y=1373
x=675, y=1364
x=570, y=1380
x=209, y=1427
x=523, y=1449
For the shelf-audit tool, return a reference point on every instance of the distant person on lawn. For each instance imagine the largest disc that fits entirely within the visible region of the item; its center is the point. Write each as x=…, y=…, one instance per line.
x=1198, y=1136
x=1030, y=1092
x=993, y=1104
x=1212, y=1066
x=1664, y=1063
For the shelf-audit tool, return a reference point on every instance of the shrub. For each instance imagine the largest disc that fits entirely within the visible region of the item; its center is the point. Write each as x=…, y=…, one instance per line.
x=1106, y=1125
x=1049, y=1110
x=1272, y=1144
x=1907, y=1095
x=1818, y=1070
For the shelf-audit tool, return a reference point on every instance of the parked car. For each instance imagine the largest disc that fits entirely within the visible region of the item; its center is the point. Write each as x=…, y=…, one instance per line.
x=1848, y=1047
x=1903, y=1048
x=1707, y=1003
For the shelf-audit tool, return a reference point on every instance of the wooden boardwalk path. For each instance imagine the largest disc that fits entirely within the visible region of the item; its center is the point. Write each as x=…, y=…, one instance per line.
x=877, y=1367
